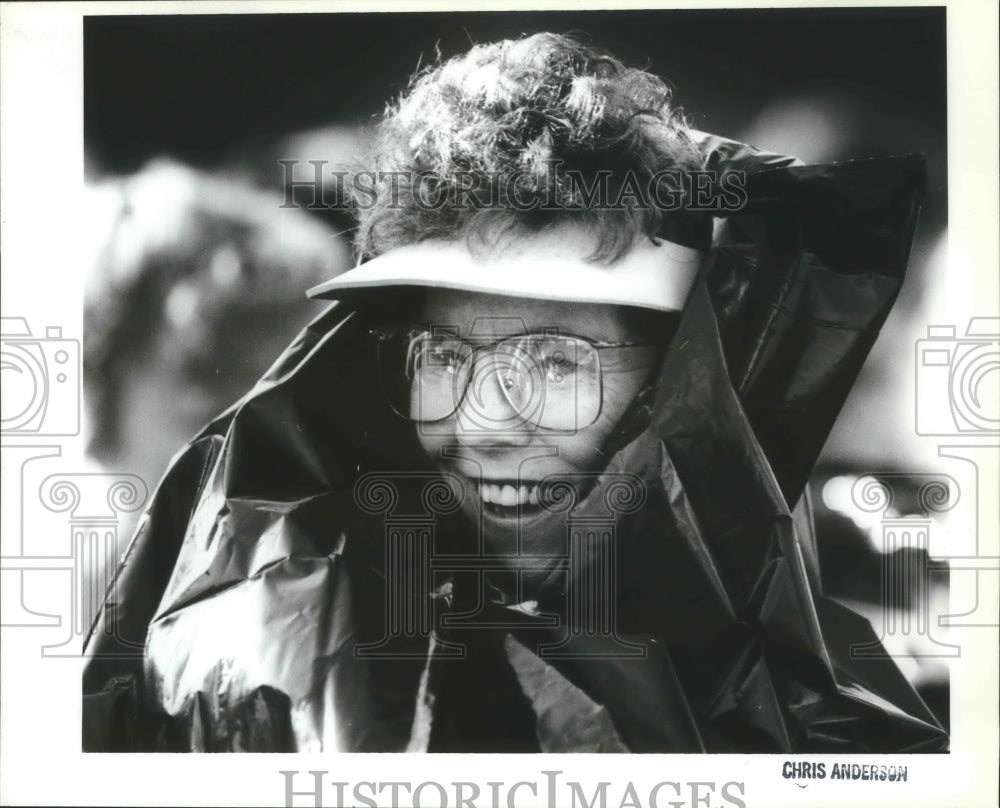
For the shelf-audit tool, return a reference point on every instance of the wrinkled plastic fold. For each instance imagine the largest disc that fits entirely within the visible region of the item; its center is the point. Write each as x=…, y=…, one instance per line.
x=255, y=607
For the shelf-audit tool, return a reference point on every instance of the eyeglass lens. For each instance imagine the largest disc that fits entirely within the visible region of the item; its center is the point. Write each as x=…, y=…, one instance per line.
x=553, y=382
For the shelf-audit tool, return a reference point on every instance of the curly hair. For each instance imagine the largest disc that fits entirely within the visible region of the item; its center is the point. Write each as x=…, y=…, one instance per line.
x=522, y=128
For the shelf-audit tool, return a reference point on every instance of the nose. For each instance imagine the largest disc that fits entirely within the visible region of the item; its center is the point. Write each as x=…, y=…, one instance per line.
x=486, y=415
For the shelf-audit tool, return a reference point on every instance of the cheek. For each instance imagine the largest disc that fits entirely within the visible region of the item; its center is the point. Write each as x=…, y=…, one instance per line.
x=434, y=437
x=618, y=394
x=582, y=450
x=430, y=443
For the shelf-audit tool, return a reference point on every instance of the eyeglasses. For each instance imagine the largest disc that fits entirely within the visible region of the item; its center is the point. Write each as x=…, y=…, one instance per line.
x=549, y=380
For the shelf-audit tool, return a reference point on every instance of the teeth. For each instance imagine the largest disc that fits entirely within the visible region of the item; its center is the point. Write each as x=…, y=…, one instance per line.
x=507, y=495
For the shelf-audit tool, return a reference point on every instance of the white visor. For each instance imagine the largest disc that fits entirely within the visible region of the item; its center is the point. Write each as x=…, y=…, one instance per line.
x=653, y=275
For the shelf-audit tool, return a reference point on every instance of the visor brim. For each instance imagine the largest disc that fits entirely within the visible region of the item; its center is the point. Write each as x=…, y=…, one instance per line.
x=653, y=275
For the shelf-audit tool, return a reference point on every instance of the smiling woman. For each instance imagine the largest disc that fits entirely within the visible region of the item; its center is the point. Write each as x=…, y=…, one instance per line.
x=507, y=391
x=535, y=481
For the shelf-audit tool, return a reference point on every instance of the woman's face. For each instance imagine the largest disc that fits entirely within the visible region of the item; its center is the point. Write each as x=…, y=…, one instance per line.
x=493, y=449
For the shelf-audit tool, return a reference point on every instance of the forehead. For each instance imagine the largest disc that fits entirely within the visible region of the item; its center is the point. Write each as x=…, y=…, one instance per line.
x=478, y=314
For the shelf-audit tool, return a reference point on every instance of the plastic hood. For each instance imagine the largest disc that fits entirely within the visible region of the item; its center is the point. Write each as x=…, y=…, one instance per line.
x=258, y=606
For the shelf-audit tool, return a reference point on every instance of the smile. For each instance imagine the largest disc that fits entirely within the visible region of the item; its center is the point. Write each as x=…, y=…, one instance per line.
x=510, y=499
x=508, y=495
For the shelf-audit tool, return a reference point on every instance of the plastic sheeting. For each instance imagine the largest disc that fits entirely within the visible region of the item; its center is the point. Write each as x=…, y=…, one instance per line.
x=302, y=580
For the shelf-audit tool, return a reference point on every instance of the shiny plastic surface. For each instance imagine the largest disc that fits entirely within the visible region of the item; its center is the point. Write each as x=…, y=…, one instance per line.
x=248, y=605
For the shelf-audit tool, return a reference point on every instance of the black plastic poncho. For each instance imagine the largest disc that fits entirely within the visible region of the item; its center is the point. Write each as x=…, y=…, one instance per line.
x=260, y=605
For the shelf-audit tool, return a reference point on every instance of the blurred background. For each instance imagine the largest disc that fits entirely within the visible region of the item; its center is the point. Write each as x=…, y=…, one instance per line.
x=199, y=271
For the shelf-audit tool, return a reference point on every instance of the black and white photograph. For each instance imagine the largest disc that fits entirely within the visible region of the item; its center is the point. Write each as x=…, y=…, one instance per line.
x=495, y=389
